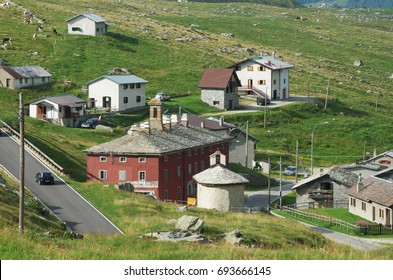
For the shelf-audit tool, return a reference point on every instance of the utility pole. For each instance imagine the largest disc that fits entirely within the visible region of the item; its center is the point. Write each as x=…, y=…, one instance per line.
x=247, y=144
x=22, y=166
x=280, y=184
x=364, y=150
x=297, y=156
x=268, y=186
x=308, y=91
x=327, y=93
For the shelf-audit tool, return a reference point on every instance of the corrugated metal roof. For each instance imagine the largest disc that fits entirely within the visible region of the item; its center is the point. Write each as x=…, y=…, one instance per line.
x=159, y=142
x=121, y=79
x=90, y=16
x=20, y=72
x=217, y=78
x=375, y=190
x=64, y=100
x=270, y=62
x=219, y=175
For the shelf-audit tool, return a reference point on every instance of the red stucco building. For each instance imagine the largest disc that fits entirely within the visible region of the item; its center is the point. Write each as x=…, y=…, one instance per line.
x=159, y=157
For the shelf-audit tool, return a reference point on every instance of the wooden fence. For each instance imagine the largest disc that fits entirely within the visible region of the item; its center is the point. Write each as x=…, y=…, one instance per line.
x=320, y=218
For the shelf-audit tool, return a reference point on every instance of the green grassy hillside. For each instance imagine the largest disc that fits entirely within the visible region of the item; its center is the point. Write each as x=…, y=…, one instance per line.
x=143, y=36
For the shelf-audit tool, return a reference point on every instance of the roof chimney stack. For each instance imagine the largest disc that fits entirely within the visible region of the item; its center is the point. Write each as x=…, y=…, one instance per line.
x=184, y=120
x=359, y=185
x=167, y=123
x=221, y=121
x=203, y=124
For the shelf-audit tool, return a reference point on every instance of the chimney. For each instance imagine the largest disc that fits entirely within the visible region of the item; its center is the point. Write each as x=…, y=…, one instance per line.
x=156, y=114
x=359, y=185
x=203, y=124
x=167, y=123
x=274, y=54
x=184, y=120
x=221, y=121
x=174, y=120
x=375, y=152
x=146, y=127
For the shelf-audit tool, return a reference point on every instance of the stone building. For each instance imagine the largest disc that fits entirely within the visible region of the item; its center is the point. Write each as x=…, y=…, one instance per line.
x=218, y=187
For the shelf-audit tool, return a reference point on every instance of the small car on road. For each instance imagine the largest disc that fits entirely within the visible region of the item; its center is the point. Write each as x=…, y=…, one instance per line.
x=162, y=96
x=44, y=178
x=290, y=170
x=90, y=123
x=261, y=101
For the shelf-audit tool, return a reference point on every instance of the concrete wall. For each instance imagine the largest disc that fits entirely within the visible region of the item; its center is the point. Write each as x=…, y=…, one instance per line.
x=105, y=87
x=281, y=77
x=221, y=198
x=86, y=27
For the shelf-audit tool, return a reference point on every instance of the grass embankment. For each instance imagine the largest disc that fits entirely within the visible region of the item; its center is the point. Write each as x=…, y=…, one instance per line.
x=136, y=215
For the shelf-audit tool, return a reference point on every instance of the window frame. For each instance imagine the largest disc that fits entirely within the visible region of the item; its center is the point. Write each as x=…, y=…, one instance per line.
x=141, y=159
x=103, y=159
x=103, y=174
x=142, y=175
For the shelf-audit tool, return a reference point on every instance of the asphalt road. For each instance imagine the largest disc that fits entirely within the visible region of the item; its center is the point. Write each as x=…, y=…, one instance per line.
x=261, y=198
x=78, y=214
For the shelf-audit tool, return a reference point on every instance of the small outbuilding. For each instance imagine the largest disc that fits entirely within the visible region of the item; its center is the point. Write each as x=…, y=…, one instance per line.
x=218, y=187
x=87, y=24
x=18, y=77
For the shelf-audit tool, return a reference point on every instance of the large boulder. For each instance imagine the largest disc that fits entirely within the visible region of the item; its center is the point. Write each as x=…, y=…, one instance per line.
x=189, y=223
x=358, y=63
x=234, y=238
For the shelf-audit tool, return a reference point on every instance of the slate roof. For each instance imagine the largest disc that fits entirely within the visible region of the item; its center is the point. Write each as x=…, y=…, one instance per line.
x=388, y=154
x=120, y=79
x=376, y=190
x=159, y=142
x=64, y=100
x=21, y=72
x=219, y=175
x=217, y=78
x=365, y=165
x=90, y=16
x=268, y=61
x=214, y=125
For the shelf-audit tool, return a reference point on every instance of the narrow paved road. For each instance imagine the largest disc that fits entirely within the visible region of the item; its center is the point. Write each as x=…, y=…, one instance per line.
x=261, y=198
x=78, y=214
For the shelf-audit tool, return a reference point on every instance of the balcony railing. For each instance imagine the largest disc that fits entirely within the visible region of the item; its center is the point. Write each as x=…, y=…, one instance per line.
x=319, y=194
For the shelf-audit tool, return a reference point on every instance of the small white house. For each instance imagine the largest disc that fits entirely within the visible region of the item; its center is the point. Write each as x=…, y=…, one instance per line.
x=218, y=187
x=372, y=199
x=265, y=75
x=24, y=76
x=87, y=24
x=63, y=110
x=118, y=92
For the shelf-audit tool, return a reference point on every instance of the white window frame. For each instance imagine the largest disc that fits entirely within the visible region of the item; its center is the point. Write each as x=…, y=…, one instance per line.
x=122, y=175
x=142, y=175
x=104, y=173
x=142, y=159
x=122, y=159
x=103, y=159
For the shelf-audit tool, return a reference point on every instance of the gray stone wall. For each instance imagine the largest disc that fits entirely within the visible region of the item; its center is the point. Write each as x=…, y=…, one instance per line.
x=210, y=96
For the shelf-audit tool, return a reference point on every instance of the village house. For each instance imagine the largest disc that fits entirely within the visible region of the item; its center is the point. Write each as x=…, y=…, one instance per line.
x=372, y=199
x=265, y=76
x=328, y=188
x=385, y=159
x=220, y=188
x=241, y=148
x=159, y=157
x=219, y=88
x=87, y=24
x=63, y=110
x=24, y=76
x=117, y=92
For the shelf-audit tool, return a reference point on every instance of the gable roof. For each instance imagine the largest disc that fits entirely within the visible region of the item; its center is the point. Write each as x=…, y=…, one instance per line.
x=90, y=16
x=217, y=78
x=270, y=62
x=21, y=72
x=385, y=154
x=63, y=100
x=375, y=190
x=120, y=79
x=159, y=142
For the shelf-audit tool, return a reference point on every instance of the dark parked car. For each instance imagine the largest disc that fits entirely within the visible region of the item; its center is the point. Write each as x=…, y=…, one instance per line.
x=44, y=177
x=261, y=101
x=90, y=123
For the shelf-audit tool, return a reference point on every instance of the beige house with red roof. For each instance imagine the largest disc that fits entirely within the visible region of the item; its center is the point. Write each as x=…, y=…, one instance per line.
x=219, y=88
x=372, y=199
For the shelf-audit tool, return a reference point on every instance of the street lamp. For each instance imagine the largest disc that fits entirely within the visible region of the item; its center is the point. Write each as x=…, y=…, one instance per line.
x=312, y=146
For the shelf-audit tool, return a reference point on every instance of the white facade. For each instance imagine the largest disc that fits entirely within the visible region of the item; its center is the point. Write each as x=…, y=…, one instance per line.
x=118, y=93
x=87, y=24
x=267, y=75
x=221, y=198
x=24, y=77
x=371, y=211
